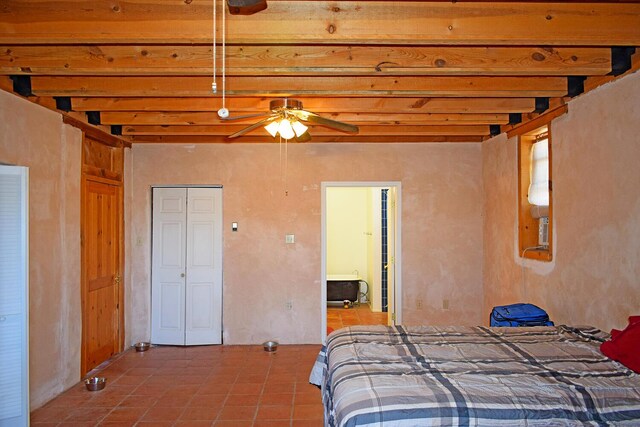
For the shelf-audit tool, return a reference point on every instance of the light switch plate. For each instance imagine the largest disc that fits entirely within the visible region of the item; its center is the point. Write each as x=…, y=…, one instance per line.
x=234, y=226
x=289, y=238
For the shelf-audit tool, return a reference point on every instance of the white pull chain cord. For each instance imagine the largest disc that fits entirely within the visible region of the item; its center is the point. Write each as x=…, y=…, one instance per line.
x=224, y=58
x=223, y=113
x=214, y=85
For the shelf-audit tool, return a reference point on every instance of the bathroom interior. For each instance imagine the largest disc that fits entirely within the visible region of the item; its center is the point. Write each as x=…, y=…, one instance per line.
x=360, y=257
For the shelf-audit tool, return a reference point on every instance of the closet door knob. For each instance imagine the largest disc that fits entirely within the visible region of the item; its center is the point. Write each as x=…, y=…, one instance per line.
x=181, y=274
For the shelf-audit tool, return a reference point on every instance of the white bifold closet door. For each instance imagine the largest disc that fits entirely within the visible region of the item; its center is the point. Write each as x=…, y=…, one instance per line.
x=186, y=276
x=14, y=301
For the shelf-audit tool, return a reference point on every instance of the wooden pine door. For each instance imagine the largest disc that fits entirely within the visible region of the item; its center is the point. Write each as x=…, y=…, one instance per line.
x=101, y=270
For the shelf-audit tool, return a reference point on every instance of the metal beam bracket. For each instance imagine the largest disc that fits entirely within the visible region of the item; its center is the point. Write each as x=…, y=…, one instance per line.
x=542, y=105
x=515, y=118
x=621, y=59
x=116, y=130
x=93, y=117
x=63, y=103
x=575, y=85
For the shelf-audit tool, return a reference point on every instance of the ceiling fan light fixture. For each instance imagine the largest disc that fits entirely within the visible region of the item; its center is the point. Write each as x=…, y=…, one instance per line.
x=299, y=128
x=285, y=130
x=272, y=128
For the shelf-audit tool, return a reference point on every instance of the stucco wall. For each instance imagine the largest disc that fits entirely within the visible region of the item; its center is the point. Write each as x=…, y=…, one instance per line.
x=35, y=137
x=594, y=277
x=441, y=223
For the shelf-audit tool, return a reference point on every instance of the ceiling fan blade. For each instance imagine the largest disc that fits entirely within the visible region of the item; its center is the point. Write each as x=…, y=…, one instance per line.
x=246, y=116
x=254, y=126
x=322, y=121
x=305, y=137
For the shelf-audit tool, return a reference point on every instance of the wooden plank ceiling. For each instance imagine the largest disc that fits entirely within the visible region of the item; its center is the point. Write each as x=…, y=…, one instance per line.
x=403, y=71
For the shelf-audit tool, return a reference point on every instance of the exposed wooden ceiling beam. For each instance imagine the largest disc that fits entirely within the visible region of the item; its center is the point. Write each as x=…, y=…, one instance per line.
x=258, y=139
x=251, y=139
x=305, y=60
x=390, y=130
x=246, y=105
x=294, y=85
x=211, y=118
x=320, y=22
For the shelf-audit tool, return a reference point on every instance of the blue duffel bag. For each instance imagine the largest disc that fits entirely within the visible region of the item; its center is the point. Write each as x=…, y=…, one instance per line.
x=519, y=315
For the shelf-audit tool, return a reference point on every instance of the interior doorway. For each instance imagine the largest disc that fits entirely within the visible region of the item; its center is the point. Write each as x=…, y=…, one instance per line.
x=361, y=250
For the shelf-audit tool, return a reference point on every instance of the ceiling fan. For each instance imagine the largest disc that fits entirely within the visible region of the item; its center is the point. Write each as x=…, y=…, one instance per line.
x=286, y=117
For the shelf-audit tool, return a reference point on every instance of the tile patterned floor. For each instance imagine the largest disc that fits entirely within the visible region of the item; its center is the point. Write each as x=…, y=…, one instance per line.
x=196, y=386
x=338, y=316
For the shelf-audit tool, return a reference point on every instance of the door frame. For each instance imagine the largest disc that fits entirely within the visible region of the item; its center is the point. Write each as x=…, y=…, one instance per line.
x=83, y=280
x=397, y=300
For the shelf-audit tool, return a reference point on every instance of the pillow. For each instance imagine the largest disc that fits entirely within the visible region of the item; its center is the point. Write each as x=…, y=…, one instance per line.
x=623, y=345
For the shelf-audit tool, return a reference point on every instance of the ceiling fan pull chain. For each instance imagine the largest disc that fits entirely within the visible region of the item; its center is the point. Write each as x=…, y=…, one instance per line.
x=214, y=85
x=223, y=113
x=224, y=58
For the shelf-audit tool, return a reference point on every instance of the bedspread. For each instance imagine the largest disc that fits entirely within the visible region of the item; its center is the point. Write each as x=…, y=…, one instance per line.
x=473, y=376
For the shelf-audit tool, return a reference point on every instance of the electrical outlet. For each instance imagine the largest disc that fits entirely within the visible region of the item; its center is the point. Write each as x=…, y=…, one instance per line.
x=289, y=238
x=288, y=305
x=445, y=304
x=419, y=303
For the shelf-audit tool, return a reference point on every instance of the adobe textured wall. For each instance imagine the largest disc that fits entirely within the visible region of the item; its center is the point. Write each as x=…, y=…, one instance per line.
x=441, y=229
x=36, y=137
x=594, y=277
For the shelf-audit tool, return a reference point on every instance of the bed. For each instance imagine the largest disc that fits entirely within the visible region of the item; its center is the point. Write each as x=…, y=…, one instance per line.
x=473, y=376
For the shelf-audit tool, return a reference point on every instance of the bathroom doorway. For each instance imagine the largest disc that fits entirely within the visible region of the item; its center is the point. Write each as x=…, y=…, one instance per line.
x=360, y=254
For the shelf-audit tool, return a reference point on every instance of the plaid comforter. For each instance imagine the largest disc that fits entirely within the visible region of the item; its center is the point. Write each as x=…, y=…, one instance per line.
x=473, y=376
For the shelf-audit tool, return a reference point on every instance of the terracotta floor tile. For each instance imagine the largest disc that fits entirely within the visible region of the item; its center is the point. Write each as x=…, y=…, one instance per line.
x=308, y=399
x=174, y=401
x=279, y=388
x=117, y=424
x=275, y=412
x=248, y=388
x=87, y=414
x=162, y=380
x=136, y=400
x=276, y=399
x=207, y=401
x=308, y=423
x=76, y=424
x=68, y=400
x=163, y=413
x=242, y=400
x=192, y=423
x=202, y=414
x=226, y=386
x=182, y=389
x=49, y=413
x=272, y=423
x=125, y=414
x=233, y=423
x=130, y=380
x=140, y=371
x=215, y=388
x=156, y=391
x=307, y=412
x=156, y=424
x=237, y=413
